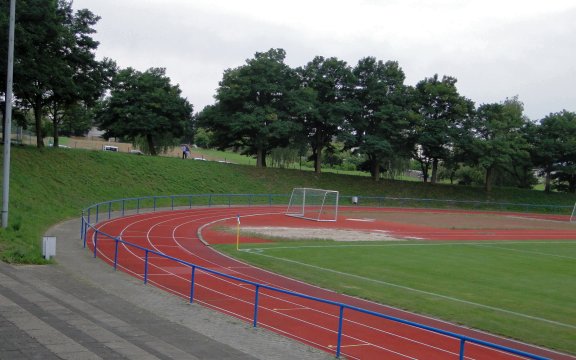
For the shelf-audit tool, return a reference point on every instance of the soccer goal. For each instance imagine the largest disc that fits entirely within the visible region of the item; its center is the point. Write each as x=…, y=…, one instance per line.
x=313, y=204
x=573, y=215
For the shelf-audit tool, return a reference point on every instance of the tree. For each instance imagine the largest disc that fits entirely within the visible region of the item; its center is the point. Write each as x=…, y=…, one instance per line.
x=381, y=120
x=331, y=81
x=76, y=120
x=554, y=147
x=203, y=138
x=54, y=63
x=443, y=112
x=251, y=110
x=499, y=141
x=144, y=105
x=38, y=29
x=83, y=78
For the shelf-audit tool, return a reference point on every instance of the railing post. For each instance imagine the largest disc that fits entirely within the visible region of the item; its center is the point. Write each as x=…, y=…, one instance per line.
x=97, y=212
x=210, y=200
x=85, y=234
x=116, y=254
x=146, y=268
x=88, y=219
x=154, y=207
x=462, y=344
x=340, y=322
x=82, y=225
x=172, y=198
x=192, y=284
x=109, y=210
x=255, y=321
x=138, y=206
x=123, y=206
x=95, y=242
x=190, y=201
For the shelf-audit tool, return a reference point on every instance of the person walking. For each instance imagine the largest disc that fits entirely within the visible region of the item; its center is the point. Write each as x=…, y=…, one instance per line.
x=185, y=151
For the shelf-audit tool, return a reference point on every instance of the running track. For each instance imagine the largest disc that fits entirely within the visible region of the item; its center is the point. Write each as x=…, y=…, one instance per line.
x=175, y=233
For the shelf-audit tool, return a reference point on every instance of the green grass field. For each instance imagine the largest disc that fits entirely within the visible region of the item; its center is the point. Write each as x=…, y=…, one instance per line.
x=523, y=290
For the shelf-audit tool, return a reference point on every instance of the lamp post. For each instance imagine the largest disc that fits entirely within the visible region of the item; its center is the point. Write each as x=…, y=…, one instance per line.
x=8, y=119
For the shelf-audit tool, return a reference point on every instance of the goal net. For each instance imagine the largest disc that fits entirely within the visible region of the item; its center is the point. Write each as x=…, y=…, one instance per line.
x=573, y=215
x=313, y=204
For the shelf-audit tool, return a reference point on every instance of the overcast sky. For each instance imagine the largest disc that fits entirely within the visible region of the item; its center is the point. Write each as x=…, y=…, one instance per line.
x=495, y=48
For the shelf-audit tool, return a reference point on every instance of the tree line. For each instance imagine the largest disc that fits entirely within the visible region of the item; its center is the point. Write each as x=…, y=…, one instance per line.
x=368, y=109
x=265, y=107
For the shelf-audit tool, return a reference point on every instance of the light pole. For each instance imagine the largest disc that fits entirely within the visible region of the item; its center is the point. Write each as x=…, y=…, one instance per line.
x=8, y=122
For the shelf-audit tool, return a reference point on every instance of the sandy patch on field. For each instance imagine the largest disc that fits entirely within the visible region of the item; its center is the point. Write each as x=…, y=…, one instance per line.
x=319, y=234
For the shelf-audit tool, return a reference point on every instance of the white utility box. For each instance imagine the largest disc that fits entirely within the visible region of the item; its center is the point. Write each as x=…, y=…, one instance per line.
x=48, y=247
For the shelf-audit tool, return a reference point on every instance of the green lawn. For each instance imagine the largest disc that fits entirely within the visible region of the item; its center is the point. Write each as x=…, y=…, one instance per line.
x=235, y=158
x=523, y=290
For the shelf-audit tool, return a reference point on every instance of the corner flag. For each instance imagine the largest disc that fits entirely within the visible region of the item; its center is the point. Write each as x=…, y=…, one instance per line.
x=238, y=232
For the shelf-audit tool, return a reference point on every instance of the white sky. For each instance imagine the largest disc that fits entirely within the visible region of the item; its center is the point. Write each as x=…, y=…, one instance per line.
x=495, y=48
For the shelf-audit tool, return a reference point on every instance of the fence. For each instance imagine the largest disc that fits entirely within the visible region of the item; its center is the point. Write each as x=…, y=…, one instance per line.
x=455, y=204
x=118, y=208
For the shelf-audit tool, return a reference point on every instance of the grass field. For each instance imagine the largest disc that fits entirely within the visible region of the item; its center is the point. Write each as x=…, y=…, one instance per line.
x=522, y=290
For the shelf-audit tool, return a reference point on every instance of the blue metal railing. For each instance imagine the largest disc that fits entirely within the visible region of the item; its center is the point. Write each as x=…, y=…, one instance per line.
x=176, y=201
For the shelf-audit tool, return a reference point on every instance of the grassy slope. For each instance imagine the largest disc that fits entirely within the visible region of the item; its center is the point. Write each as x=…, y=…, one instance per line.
x=51, y=185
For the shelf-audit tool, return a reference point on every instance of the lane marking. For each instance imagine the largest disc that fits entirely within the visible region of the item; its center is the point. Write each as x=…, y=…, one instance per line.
x=347, y=346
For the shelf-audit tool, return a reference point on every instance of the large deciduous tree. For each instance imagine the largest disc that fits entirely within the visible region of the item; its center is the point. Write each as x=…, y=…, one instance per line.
x=37, y=57
x=145, y=105
x=251, y=110
x=54, y=64
x=381, y=120
x=331, y=82
x=554, y=148
x=500, y=142
x=83, y=79
x=443, y=112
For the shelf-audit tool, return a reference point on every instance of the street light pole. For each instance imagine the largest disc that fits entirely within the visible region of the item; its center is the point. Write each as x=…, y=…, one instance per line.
x=8, y=122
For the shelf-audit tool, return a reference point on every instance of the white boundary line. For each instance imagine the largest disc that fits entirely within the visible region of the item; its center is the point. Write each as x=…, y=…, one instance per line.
x=527, y=251
x=421, y=291
x=393, y=243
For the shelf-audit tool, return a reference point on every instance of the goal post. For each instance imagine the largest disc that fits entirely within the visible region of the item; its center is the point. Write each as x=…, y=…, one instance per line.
x=313, y=204
x=573, y=215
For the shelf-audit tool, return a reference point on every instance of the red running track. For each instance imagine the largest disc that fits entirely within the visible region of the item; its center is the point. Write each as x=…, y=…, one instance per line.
x=175, y=234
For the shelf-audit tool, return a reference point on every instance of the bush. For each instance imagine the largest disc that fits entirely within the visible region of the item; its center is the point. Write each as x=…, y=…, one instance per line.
x=467, y=175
